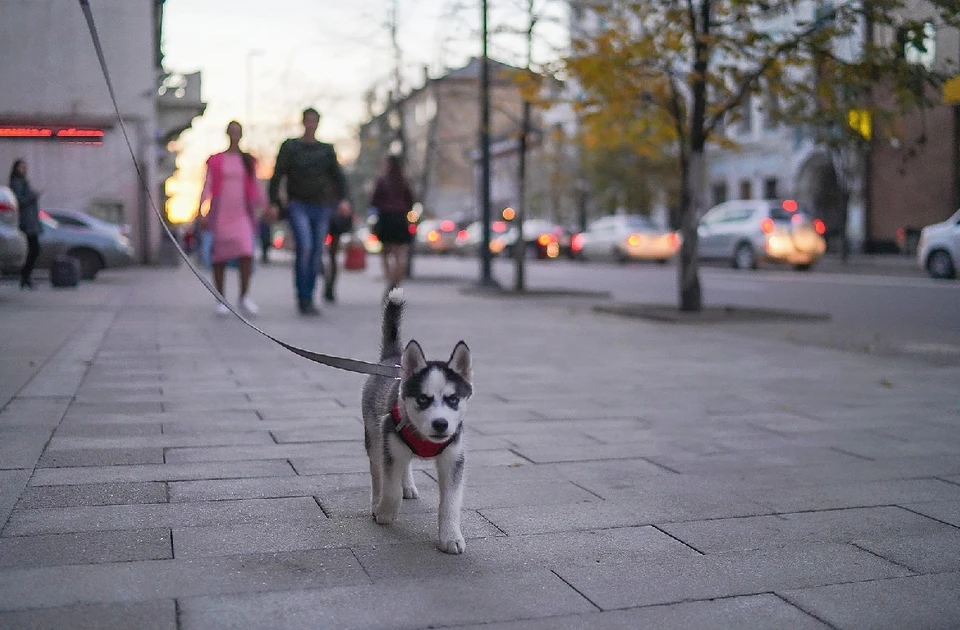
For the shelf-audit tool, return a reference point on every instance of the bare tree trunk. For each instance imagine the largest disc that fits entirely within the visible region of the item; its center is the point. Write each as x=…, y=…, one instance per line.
x=688, y=271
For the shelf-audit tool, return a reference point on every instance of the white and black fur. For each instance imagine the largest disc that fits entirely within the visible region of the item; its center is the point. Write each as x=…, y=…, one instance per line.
x=432, y=397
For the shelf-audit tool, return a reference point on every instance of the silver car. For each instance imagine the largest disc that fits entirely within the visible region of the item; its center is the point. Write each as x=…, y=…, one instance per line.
x=748, y=232
x=13, y=244
x=623, y=238
x=94, y=246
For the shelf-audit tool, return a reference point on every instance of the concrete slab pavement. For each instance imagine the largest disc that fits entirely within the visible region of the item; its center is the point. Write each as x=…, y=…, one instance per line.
x=163, y=467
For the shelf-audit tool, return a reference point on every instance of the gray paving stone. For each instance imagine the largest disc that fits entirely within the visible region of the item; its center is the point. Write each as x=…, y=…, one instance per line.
x=825, y=497
x=131, y=408
x=100, y=457
x=256, y=424
x=732, y=613
x=164, y=441
x=156, y=615
x=160, y=472
x=338, y=433
x=266, y=451
x=162, y=579
x=946, y=511
x=212, y=417
x=92, y=494
x=756, y=458
x=107, y=429
x=930, y=553
x=754, y=532
x=923, y=601
x=490, y=556
x=12, y=483
x=213, y=540
x=261, y=487
x=619, y=513
x=428, y=603
x=85, y=548
x=106, y=517
x=723, y=575
x=36, y=413
x=20, y=447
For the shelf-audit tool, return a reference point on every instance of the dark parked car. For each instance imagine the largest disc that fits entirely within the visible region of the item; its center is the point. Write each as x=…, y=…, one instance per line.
x=95, y=247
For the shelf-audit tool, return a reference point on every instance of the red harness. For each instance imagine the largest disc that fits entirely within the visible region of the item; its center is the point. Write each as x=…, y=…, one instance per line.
x=420, y=446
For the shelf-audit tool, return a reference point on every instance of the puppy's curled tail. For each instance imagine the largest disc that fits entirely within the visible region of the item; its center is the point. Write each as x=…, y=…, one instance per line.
x=392, y=312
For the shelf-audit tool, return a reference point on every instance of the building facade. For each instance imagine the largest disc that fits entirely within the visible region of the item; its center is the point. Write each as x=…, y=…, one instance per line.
x=56, y=112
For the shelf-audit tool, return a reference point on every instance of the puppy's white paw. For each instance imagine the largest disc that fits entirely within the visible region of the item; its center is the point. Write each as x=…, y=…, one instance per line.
x=411, y=492
x=455, y=545
x=384, y=518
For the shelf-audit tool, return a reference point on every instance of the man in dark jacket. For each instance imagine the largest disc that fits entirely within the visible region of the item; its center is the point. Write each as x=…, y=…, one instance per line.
x=315, y=187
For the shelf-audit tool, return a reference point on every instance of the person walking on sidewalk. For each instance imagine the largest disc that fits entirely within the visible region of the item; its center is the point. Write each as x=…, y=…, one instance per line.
x=340, y=224
x=392, y=199
x=234, y=194
x=315, y=186
x=29, y=220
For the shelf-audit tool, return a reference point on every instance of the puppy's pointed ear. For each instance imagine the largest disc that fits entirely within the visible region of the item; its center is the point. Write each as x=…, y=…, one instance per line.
x=461, y=362
x=412, y=360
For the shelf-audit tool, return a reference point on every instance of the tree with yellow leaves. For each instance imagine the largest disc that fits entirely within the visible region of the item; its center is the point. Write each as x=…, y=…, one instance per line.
x=666, y=75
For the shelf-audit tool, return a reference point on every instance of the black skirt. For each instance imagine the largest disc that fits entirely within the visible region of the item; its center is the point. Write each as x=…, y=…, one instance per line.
x=393, y=228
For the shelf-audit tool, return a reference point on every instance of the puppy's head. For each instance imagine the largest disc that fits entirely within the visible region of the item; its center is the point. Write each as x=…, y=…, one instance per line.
x=434, y=394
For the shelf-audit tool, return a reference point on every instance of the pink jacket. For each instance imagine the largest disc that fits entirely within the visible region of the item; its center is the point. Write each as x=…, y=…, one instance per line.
x=214, y=182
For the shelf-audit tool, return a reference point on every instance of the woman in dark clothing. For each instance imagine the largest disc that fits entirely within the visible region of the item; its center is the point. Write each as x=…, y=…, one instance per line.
x=27, y=200
x=393, y=200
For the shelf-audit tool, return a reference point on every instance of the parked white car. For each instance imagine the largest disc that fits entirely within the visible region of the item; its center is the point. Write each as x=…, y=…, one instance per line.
x=623, y=238
x=747, y=232
x=939, y=248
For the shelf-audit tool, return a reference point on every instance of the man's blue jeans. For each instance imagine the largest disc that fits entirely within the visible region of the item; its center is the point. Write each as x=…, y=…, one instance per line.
x=309, y=224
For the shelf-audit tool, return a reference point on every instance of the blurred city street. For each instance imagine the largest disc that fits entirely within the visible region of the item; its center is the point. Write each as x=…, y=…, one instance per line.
x=166, y=468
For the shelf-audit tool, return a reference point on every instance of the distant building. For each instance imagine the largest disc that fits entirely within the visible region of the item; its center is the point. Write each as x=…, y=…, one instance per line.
x=56, y=113
x=440, y=123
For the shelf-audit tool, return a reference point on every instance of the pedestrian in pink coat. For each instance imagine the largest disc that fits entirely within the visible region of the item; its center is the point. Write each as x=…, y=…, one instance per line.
x=235, y=197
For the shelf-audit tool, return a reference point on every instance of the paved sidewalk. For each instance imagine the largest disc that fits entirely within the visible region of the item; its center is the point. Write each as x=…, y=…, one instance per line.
x=164, y=468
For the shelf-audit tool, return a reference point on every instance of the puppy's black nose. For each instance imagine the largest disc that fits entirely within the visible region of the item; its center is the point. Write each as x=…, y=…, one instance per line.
x=439, y=425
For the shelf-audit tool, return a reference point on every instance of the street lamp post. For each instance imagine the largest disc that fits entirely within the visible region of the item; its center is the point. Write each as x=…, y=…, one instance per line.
x=486, y=277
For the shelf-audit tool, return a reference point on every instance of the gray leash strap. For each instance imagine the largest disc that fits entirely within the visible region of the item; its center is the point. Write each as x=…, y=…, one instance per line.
x=341, y=363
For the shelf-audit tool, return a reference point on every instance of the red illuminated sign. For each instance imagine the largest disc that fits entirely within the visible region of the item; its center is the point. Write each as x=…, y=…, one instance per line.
x=77, y=135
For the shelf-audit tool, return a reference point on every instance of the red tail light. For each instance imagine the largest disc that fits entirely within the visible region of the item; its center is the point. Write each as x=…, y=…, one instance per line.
x=412, y=228
x=447, y=226
x=328, y=240
x=462, y=236
x=576, y=243
x=674, y=239
x=767, y=225
x=499, y=227
x=278, y=241
x=820, y=227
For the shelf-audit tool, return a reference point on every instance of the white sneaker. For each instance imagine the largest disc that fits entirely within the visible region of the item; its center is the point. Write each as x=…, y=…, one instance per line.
x=248, y=305
x=222, y=310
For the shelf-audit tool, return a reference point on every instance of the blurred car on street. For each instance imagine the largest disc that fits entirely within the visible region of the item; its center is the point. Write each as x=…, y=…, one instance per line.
x=13, y=244
x=82, y=220
x=468, y=239
x=938, y=250
x=95, y=248
x=542, y=239
x=436, y=236
x=623, y=238
x=366, y=236
x=750, y=232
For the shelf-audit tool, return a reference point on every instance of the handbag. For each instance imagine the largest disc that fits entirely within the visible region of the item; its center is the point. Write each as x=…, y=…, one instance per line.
x=354, y=254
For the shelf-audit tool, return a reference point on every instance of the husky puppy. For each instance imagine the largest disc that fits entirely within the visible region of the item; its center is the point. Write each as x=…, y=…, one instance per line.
x=418, y=415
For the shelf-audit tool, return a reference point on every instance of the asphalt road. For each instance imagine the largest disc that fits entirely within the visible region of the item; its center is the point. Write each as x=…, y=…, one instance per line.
x=883, y=309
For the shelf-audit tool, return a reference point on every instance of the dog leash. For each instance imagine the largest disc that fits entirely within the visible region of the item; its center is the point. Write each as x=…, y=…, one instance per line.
x=340, y=363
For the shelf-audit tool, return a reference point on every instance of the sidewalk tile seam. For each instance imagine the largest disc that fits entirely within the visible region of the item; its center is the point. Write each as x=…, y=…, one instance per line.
x=679, y=540
x=928, y=516
x=784, y=599
x=576, y=590
x=882, y=557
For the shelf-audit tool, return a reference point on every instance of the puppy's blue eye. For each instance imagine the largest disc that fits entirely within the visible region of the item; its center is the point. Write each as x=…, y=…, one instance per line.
x=452, y=401
x=424, y=401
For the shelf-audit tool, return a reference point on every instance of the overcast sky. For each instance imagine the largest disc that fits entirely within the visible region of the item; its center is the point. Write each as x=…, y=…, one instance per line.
x=322, y=53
